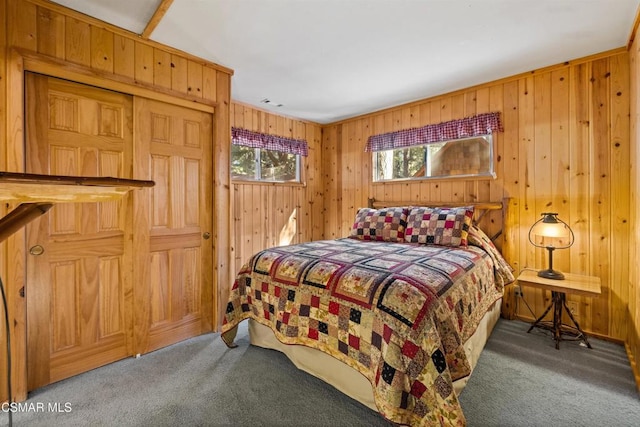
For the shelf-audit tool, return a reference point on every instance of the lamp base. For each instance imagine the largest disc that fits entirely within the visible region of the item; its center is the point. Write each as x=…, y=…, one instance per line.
x=551, y=274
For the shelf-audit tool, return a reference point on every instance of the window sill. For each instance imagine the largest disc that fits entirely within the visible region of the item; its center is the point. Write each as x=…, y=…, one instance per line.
x=269, y=183
x=438, y=178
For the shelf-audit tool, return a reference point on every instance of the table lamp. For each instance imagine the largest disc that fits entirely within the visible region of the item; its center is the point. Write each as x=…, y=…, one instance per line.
x=552, y=230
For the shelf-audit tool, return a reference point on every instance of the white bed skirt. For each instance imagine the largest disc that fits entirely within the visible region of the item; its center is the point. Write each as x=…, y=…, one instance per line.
x=350, y=381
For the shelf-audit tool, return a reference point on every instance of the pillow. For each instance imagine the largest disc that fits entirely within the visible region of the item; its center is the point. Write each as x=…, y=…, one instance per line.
x=386, y=225
x=439, y=226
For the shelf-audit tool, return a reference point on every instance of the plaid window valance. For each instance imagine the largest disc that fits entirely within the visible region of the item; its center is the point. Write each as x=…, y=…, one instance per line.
x=482, y=124
x=252, y=139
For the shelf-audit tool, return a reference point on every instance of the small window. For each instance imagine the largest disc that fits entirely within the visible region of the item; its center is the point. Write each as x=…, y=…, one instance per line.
x=466, y=157
x=260, y=164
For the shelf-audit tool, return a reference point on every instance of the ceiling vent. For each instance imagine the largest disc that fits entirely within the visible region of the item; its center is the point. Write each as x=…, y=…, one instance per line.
x=270, y=102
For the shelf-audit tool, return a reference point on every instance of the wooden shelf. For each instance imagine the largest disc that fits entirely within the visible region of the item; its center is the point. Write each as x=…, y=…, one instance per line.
x=23, y=187
x=37, y=193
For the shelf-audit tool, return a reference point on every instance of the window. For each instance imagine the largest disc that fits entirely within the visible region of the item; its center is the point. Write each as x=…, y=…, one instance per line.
x=264, y=165
x=457, y=148
x=457, y=157
x=261, y=157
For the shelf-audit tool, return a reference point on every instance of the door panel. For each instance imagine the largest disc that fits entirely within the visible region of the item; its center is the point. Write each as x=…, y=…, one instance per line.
x=174, y=150
x=79, y=304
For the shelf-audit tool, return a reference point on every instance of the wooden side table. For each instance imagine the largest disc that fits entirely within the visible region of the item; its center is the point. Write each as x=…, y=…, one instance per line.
x=572, y=284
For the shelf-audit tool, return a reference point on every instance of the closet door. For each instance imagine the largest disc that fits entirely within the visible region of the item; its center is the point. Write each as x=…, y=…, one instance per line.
x=172, y=240
x=79, y=266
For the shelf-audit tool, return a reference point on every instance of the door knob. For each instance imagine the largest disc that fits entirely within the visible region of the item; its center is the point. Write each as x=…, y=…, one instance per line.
x=206, y=235
x=36, y=250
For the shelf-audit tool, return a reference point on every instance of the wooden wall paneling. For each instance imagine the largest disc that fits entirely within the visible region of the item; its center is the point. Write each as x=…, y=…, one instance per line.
x=405, y=123
x=23, y=25
x=367, y=159
x=580, y=155
x=479, y=189
x=601, y=191
x=179, y=79
x=360, y=195
x=424, y=119
x=527, y=185
x=266, y=220
x=330, y=173
x=377, y=127
x=101, y=49
x=317, y=208
x=560, y=160
x=51, y=33
x=194, y=78
x=280, y=200
x=77, y=41
x=509, y=179
x=259, y=239
x=413, y=122
x=470, y=102
x=143, y=65
x=348, y=178
x=161, y=68
x=456, y=188
x=541, y=191
x=435, y=191
x=123, y=56
x=496, y=186
x=222, y=197
x=242, y=239
x=303, y=196
x=208, y=83
x=447, y=186
x=620, y=189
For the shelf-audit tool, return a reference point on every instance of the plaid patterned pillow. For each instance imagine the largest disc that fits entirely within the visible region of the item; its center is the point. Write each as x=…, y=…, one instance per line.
x=439, y=226
x=386, y=225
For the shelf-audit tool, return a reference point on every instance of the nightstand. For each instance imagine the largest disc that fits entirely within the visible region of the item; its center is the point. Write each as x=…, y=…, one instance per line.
x=576, y=284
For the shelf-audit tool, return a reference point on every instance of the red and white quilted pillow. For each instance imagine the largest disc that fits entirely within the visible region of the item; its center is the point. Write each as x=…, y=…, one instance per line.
x=387, y=225
x=439, y=226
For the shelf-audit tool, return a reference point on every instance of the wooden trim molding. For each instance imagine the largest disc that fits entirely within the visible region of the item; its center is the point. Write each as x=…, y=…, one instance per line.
x=54, y=67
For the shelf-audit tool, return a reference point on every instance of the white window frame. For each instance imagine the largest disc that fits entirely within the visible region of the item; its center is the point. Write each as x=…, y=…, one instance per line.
x=258, y=169
x=489, y=174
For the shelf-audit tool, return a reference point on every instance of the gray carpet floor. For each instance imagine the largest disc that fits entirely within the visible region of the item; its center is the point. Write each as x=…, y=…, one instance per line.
x=520, y=380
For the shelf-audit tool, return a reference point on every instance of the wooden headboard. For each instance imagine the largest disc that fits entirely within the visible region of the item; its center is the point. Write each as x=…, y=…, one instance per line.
x=480, y=209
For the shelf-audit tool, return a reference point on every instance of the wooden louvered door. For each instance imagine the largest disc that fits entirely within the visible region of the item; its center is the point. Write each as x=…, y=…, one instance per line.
x=174, y=288
x=79, y=284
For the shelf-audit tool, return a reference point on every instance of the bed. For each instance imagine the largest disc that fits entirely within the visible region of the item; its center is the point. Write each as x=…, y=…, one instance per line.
x=394, y=315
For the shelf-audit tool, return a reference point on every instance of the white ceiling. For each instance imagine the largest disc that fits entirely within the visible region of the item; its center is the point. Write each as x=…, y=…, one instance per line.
x=327, y=60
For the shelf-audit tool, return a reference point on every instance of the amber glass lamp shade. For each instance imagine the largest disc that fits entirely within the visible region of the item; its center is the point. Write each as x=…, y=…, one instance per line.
x=555, y=234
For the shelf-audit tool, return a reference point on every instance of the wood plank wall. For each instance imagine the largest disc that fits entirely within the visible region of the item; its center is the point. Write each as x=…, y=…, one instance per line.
x=565, y=149
x=633, y=341
x=269, y=214
x=74, y=46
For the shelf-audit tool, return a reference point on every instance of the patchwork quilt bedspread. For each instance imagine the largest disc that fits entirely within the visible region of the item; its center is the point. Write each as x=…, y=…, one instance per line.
x=399, y=313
